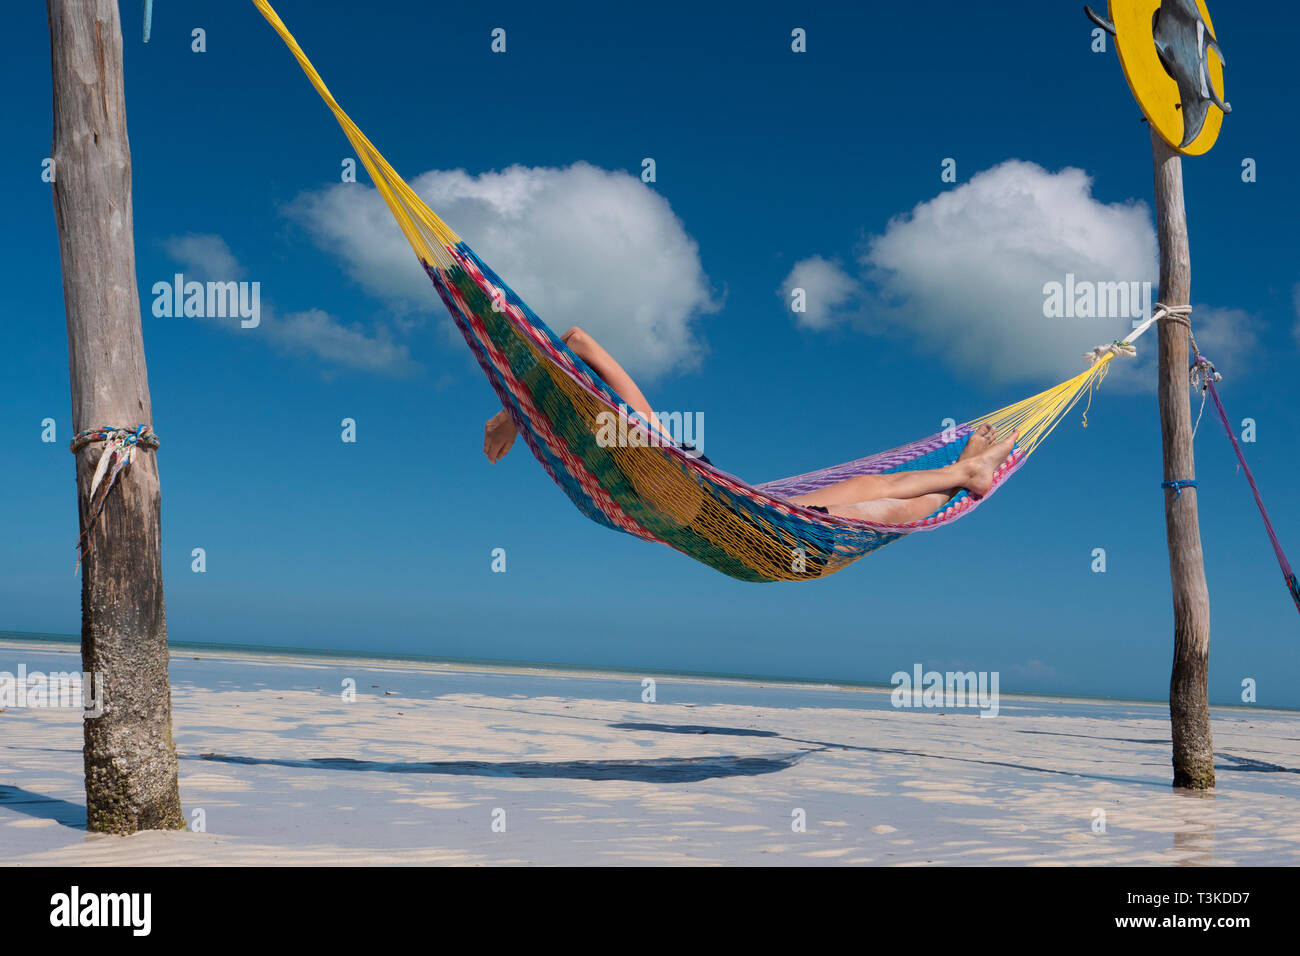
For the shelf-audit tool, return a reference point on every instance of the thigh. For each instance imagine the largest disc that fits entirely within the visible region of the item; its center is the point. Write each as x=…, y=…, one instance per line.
x=856, y=489
x=891, y=510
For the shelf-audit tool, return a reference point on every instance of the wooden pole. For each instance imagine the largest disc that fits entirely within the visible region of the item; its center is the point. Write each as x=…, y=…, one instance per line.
x=1189, y=700
x=130, y=759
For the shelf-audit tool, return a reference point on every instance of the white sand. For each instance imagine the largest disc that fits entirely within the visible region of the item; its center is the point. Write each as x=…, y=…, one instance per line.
x=451, y=745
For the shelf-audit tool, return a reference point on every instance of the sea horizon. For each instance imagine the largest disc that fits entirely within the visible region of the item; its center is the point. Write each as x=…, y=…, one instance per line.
x=284, y=651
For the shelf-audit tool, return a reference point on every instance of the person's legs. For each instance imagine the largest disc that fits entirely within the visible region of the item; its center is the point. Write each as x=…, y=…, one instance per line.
x=903, y=484
x=972, y=471
x=892, y=510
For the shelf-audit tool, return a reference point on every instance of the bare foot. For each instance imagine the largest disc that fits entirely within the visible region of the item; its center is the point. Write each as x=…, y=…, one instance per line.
x=982, y=466
x=980, y=441
x=498, y=435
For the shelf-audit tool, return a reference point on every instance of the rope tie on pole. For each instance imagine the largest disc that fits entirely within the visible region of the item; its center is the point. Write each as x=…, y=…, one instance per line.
x=121, y=447
x=1182, y=314
x=1178, y=484
x=1169, y=313
x=1202, y=375
x=1104, y=353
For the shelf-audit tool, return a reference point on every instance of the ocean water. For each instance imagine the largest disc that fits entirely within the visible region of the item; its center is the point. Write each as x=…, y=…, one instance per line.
x=422, y=677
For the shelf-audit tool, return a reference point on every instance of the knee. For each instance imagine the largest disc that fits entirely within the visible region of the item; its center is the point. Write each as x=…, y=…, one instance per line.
x=573, y=333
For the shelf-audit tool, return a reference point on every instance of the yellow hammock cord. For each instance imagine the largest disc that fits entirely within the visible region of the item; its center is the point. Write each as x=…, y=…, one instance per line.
x=427, y=234
x=1034, y=417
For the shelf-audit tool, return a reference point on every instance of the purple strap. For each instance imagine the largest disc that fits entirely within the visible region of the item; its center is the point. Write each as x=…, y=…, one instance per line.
x=1287, y=574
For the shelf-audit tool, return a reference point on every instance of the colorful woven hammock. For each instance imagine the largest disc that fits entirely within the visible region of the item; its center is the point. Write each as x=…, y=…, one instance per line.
x=652, y=488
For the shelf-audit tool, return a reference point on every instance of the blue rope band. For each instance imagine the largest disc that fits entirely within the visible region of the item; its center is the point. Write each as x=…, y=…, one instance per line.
x=1179, y=484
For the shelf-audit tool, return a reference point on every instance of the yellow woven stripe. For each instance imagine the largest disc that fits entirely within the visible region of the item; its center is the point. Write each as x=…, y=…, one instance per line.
x=427, y=234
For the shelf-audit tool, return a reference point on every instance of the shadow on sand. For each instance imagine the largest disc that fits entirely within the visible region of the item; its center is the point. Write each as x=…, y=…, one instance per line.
x=1247, y=764
x=657, y=770
x=1122, y=740
x=696, y=729
x=46, y=808
x=826, y=746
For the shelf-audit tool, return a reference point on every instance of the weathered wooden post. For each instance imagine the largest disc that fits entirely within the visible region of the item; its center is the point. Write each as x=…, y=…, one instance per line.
x=1189, y=701
x=130, y=759
x=1175, y=70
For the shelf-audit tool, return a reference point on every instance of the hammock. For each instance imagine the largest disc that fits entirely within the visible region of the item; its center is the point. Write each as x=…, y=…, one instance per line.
x=650, y=487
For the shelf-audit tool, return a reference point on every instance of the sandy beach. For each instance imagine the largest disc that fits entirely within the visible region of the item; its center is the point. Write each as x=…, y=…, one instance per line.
x=438, y=763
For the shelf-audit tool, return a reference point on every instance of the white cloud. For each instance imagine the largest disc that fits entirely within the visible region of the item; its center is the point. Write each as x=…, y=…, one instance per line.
x=1225, y=336
x=319, y=333
x=964, y=272
x=826, y=287
x=581, y=245
x=204, y=258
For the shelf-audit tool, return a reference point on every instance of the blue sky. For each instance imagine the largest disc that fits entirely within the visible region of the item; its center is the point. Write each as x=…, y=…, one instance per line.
x=765, y=159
